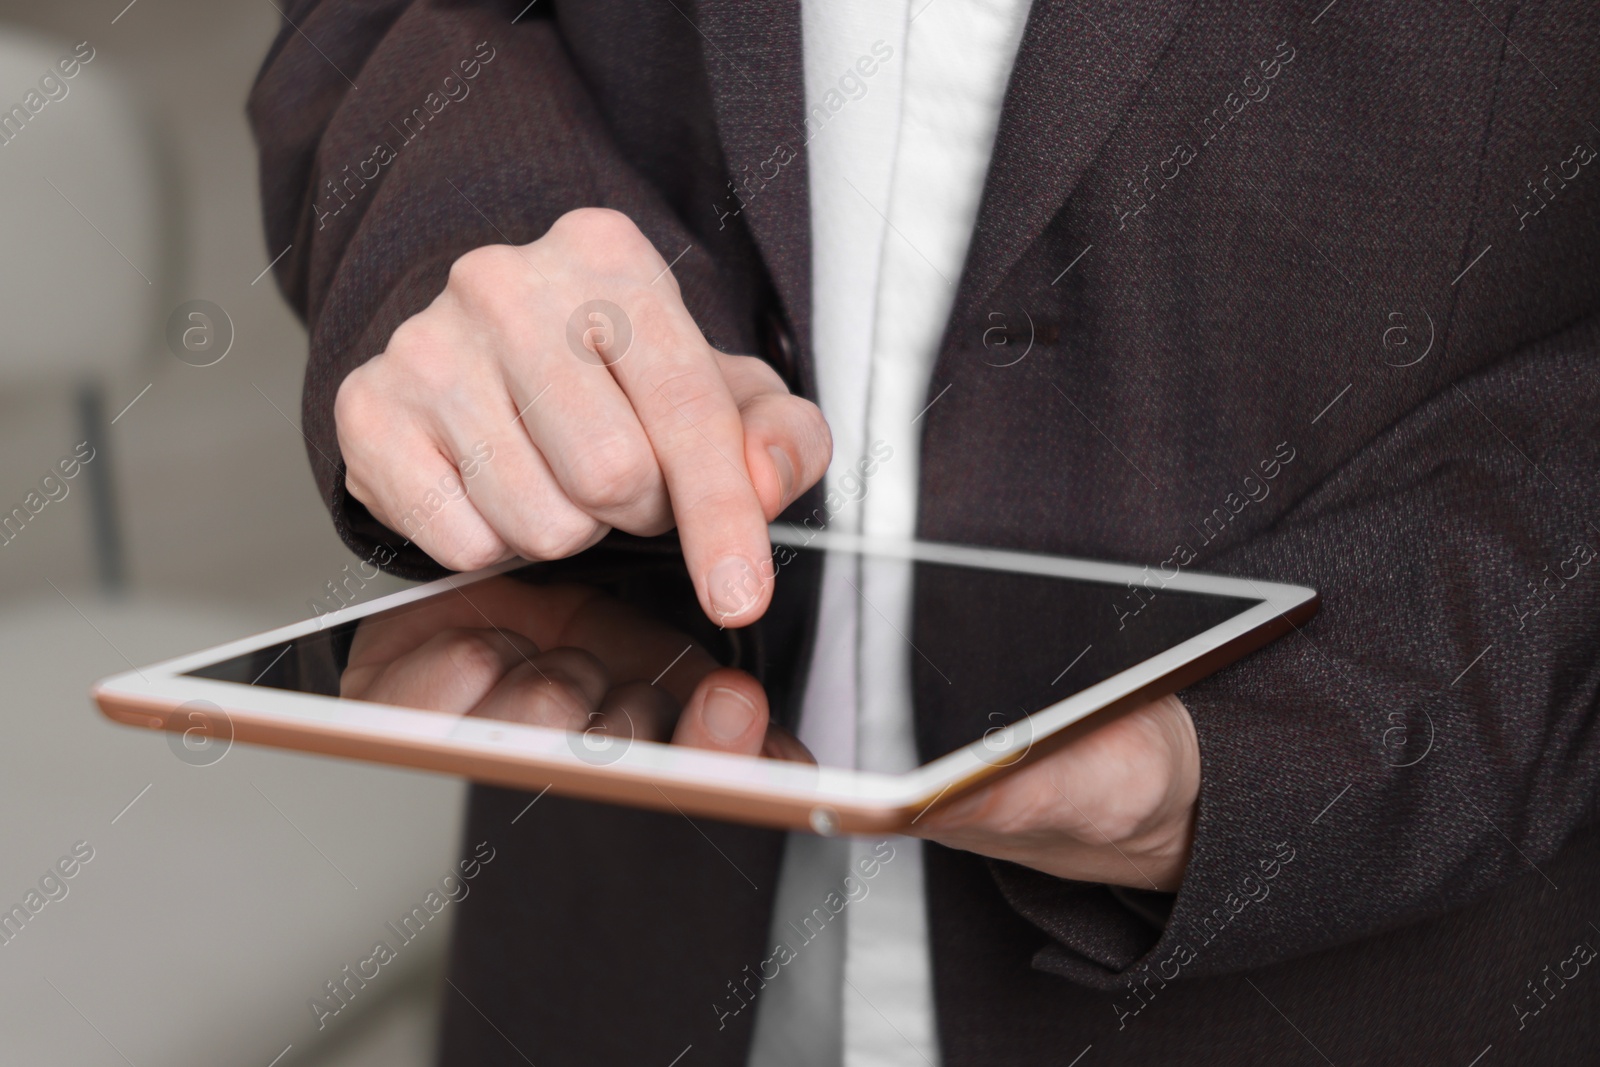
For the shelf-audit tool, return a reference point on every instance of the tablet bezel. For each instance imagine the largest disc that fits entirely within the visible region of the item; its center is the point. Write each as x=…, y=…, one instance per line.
x=694, y=781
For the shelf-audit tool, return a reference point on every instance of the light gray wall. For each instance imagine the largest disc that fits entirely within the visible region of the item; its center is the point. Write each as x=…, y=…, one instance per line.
x=216, y=494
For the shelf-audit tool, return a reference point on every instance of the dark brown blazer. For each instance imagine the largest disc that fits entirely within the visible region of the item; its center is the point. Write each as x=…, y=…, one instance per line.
x=1361, y=235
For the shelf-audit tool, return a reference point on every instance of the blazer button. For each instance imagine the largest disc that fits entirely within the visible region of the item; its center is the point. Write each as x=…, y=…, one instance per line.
x=779, y=348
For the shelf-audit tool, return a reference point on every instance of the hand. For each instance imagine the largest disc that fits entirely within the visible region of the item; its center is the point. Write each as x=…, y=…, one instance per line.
x=1115, y=804
x=563, y=656
x=584, y=432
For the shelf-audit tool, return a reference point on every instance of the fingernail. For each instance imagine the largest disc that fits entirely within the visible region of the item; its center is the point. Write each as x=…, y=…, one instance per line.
x=780, y=460
x=733, y=587
x=728, y=713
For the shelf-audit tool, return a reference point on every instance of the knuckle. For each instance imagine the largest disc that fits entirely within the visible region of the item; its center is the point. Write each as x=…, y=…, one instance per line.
x=578, y=668
x=693, y=393
x=810, y=414
x=716, y=504
x=604, y=241
x=600, y=224
x=556, y=539
x=471, y=654
x=759, y=370
x=661, y=318
x=356, y=407
x=552, y=702
x=423, y=351
x=461, y=549
x=612, y=474
x=421, y=333
x=484, y=270
x=816, y=439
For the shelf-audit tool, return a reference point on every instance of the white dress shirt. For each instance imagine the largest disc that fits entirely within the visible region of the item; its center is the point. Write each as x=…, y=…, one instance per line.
x=903, y=99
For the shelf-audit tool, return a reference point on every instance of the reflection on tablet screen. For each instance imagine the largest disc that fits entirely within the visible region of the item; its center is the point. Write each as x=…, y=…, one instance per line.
x=615, y=642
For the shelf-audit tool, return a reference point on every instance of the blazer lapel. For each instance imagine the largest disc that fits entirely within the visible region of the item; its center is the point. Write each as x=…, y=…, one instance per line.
x=752, y=54
x=1078, y=69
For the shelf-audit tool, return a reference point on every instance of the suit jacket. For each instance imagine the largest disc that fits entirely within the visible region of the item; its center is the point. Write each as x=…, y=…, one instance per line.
x=1353, y=245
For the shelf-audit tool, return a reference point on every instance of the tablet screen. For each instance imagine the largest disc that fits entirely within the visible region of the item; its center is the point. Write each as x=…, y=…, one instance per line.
x=612, y=643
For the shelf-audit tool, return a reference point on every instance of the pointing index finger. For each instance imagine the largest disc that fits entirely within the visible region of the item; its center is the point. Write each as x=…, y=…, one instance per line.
x=721, y=522
x=692, y=420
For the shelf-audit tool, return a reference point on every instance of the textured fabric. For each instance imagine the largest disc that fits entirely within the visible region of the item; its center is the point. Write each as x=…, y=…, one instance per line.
x=1312, y=297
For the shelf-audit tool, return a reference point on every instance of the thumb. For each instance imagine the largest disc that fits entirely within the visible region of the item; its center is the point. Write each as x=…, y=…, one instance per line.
x=727, y=713
x=787, y=444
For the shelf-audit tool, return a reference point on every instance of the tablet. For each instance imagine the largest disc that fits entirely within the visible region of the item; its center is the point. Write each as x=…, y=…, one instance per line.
x=1007, y=651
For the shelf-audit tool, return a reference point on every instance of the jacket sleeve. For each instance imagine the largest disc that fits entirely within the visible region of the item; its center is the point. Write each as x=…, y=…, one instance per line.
x=1430, y=735
x=396, y=135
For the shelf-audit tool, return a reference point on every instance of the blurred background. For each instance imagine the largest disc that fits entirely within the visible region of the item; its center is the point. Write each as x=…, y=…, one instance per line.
x=221, y=895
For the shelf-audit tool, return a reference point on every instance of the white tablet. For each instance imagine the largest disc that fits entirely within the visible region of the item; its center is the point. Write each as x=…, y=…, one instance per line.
x=1008, y=648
